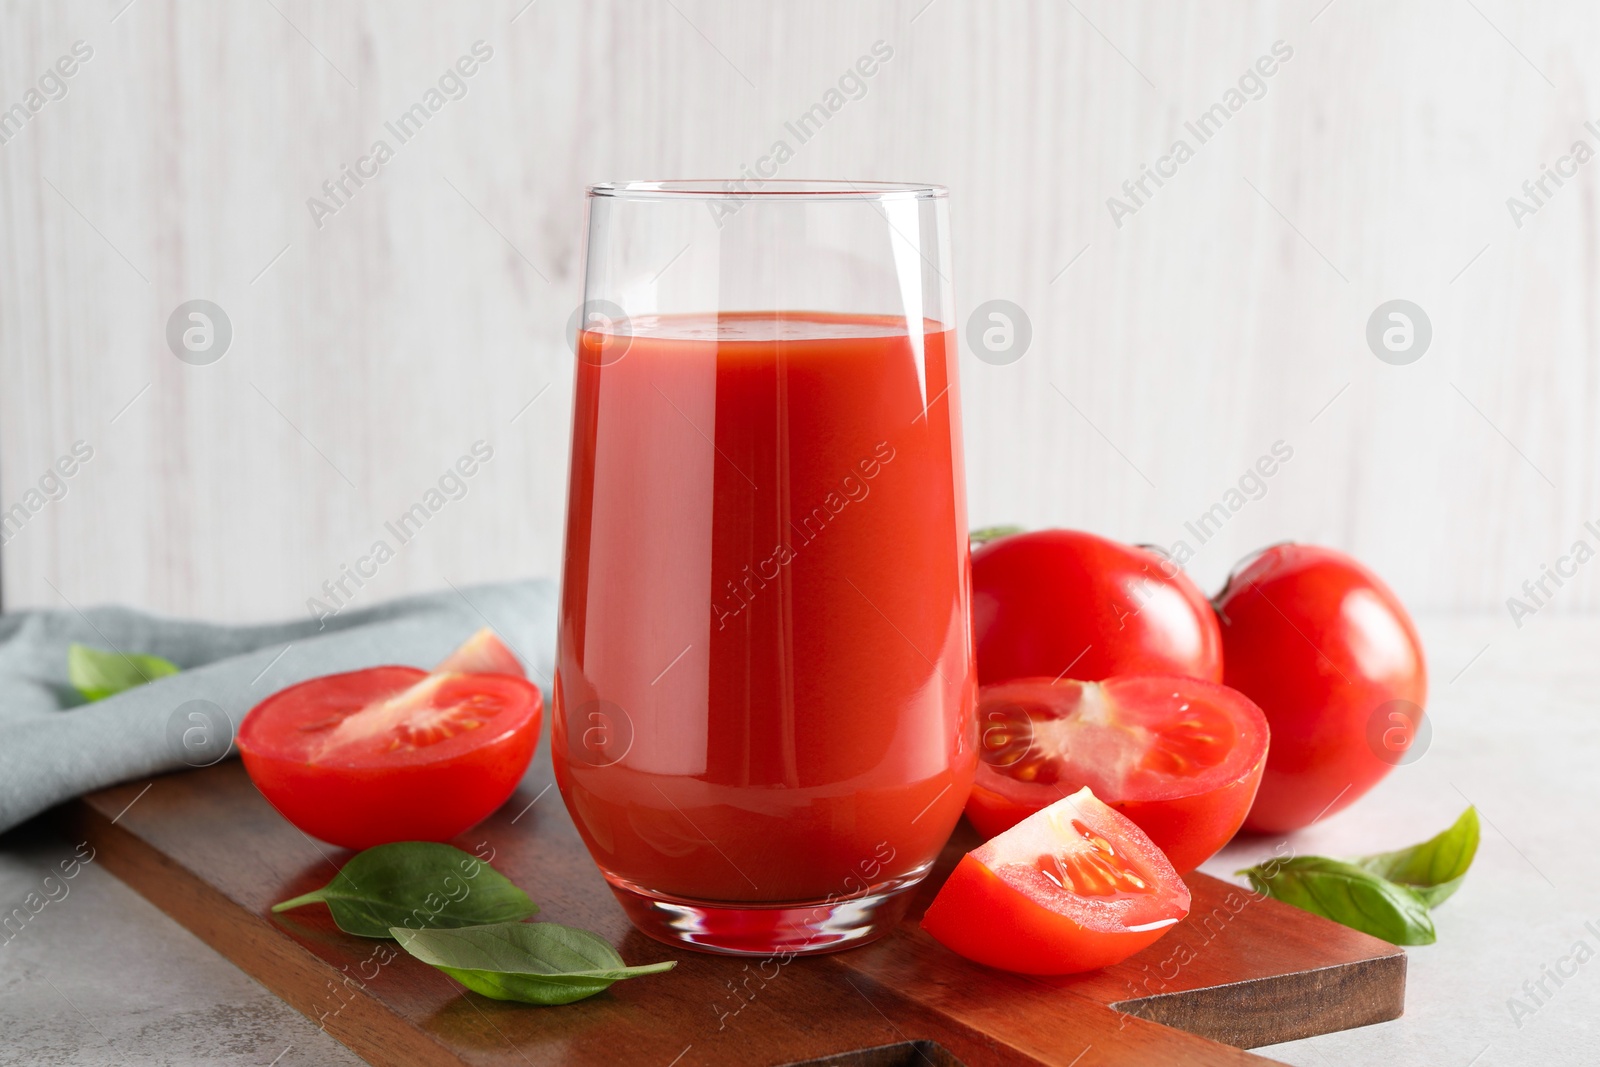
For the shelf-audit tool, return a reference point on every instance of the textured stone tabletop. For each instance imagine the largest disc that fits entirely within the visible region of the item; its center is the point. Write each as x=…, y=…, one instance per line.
x=99, y=976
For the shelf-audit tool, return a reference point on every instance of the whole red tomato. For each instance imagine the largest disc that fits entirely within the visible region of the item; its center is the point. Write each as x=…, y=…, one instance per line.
x=1064, y=603
x=1326, y=651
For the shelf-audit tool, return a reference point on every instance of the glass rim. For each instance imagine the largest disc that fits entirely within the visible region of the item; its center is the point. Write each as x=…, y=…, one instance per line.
x=777, y=189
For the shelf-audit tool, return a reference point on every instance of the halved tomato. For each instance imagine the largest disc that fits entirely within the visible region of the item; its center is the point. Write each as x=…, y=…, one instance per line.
x=1180, y=757
x=1070, y=888
x=392, y=753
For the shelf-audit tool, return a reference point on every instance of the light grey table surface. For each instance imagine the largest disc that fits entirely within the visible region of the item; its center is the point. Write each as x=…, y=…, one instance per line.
x=101, y=976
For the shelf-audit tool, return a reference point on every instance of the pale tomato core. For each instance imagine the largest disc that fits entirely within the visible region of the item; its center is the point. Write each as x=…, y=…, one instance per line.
x=1033, y=733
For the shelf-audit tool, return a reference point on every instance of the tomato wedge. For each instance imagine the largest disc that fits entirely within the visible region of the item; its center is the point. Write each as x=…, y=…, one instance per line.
x=1180, y=757
x=392, y=753
x=483, y=653
x=1071, y=888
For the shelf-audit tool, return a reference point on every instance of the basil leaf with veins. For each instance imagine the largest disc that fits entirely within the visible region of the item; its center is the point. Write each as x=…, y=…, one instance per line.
x=1349, y=895
x=416, y=885
x=1434, y=868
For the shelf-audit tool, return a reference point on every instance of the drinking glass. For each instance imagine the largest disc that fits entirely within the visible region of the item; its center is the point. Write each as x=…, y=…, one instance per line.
x=763, y=714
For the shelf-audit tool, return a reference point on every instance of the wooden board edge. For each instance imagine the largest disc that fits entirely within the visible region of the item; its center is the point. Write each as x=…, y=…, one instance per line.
x=1284, y=1007
x=928, y=975
x=363, y=1023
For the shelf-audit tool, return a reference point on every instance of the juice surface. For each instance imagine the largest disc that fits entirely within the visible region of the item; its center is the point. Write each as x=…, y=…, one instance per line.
x=765, y=688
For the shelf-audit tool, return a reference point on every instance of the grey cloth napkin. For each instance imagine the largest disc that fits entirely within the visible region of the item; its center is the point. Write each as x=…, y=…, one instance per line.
x=53, y=746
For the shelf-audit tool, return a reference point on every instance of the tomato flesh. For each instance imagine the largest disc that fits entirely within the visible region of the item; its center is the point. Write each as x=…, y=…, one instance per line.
x=483, y=653
x=1180, y=757
x=391, y=753
x=1327, y=650
x=1064, y=603
x=1071, y=888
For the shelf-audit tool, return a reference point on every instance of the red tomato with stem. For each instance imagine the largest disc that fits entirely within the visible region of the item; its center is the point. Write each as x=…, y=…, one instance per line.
x=1064, y=603
x=391, y=753
x=1071, y=888
x=1330, y=655
x=1180, y=757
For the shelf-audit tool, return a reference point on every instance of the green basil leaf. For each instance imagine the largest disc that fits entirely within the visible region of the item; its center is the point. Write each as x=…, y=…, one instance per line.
x=1434, y=868
x=535, y=963
x=416, y=885
x=1349, y=895
x=98, y=674
x=992, y=533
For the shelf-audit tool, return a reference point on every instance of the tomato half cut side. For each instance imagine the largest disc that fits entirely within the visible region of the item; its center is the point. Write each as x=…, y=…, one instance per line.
x=391, y=753
x=1071, y=888
x=1180, y=757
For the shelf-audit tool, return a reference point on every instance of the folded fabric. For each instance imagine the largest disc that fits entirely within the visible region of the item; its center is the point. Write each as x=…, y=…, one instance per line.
x=54, y=746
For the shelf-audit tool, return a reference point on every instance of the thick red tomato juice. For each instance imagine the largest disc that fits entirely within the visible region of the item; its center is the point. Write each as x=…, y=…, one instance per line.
x=765, y=690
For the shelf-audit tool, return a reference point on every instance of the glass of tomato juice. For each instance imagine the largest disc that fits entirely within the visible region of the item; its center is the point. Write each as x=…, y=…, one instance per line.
x=764, y=720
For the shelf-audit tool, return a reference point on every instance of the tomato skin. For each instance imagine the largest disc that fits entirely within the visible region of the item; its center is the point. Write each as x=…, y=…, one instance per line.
x=370, y=806
x=1188, y=818
x=1189, y=829
x=1016, y=934
x=1320, y=643
x=1048, y=600
x=429, y=794
x=1000, y=922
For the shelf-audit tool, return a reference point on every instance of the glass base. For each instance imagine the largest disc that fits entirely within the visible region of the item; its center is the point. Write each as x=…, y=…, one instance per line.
x=756, y=929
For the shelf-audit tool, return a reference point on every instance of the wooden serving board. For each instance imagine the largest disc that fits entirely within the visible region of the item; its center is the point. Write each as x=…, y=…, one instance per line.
x=206, y=849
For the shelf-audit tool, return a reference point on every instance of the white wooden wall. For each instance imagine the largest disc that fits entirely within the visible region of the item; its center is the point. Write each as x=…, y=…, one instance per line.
x=1227, y=314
